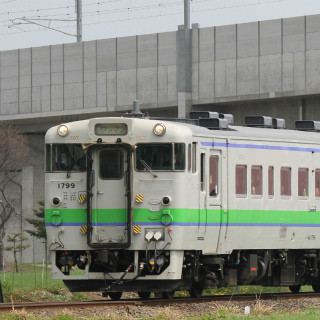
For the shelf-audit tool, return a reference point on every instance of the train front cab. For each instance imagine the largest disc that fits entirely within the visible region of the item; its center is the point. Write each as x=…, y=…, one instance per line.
x=115, y=177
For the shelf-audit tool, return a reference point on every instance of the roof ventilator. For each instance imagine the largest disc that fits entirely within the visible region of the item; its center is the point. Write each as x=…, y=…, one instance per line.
x=182, y=120
x=214, y=123
x=203, y=114
x=258, y=121
x=307, y=125
x=278, y=123
x=228, y=117
x=212, y=120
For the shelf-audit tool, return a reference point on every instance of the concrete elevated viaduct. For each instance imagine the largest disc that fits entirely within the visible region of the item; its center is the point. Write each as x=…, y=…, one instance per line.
x=269, y=67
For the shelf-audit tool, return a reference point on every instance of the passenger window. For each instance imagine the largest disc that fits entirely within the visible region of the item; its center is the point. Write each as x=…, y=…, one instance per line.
x=213, y=176
x=202, y=171
x=317, y=183
x=303, y=182
x=285, y=182
x=256, y=180
x=111, y=164
x=241, y=181
x=194, y=149
x=189, y=157
x=48, y=157
x=270, y=182
x=179, y=156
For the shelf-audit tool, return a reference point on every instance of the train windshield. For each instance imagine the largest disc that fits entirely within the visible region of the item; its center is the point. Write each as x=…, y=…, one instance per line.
x=160, y=157
x=65, y=157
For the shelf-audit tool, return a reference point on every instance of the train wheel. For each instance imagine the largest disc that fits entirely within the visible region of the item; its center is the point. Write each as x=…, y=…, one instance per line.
x=316, y=285
x=115, y=295
x=295, y=288
x=196, y=291
x=144, y=295
x=168, y=294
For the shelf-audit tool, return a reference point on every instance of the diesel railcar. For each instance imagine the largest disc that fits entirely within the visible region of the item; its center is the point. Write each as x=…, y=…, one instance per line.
x=159, y=205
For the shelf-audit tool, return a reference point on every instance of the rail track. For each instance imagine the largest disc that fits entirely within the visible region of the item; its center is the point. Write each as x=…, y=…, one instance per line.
x=28, y=306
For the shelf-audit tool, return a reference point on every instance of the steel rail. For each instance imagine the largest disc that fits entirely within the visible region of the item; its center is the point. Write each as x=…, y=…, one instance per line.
x=8, y=307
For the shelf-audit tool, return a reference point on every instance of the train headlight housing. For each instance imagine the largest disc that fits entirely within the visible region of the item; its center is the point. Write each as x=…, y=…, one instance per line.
x=166, y=200
x=56, y=201
x=159, y=129
x=63, y=130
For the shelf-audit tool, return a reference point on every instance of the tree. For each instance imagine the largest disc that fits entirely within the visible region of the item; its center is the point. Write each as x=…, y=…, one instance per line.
x=39, y=230
x=13, y=156
x=16, y=238
x=38, y=223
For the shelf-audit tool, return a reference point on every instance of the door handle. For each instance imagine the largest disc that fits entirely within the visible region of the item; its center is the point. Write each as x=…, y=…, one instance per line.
x=99, y=192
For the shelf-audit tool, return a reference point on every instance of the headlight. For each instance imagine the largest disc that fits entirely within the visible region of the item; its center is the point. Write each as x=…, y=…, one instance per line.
x=159, y=129
x=63, y=130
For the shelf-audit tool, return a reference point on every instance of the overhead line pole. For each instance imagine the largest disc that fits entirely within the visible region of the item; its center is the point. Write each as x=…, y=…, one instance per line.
x=187, y=14
x=79, y=19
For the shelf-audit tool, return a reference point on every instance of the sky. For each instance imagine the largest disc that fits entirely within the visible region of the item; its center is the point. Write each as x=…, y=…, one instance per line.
x=33, y=23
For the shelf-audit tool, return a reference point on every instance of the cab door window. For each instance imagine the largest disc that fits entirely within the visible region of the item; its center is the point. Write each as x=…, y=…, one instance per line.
x=213, y=176
x=111, y=164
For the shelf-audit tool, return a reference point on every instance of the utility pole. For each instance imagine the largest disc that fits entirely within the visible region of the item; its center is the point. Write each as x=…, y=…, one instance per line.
x=79, y=19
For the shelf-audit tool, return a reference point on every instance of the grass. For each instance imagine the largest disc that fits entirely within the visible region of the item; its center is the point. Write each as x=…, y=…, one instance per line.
x=34, y=283
x=30, y=276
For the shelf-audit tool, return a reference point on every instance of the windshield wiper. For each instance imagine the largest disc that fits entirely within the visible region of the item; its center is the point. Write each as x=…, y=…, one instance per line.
x=148, y=168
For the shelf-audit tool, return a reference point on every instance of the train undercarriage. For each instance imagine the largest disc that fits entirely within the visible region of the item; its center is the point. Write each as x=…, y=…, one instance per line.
x=145, y=272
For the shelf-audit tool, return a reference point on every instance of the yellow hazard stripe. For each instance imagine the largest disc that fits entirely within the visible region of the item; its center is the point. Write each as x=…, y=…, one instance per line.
x=83, y=229
x=137, y=229
x=82, y=198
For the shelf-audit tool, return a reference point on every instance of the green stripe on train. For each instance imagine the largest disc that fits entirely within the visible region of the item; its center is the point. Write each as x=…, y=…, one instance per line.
x=187, y=216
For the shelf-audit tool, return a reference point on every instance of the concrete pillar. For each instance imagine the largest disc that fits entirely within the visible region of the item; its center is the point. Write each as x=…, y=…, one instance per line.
x=184, y=104
x=184, y=70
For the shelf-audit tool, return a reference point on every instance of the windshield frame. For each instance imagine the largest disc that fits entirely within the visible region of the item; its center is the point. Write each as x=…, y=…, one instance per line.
x=53, y=158
x=166, y=160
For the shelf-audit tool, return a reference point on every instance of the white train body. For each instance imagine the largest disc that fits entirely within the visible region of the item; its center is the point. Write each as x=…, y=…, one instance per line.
x=189, y=208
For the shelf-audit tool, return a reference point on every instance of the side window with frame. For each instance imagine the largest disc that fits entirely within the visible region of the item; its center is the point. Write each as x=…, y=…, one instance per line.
x=189, y=157
x=256, y=181
x=194, y=155
x=303, y=182
x=285, y=181
x=202, y=171
x=271, y=182
x=241, y=181
x=317, y=183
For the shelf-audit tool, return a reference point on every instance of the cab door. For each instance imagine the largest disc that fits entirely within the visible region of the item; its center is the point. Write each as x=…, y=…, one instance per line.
x=214, y=194
x=202, y=217
x=109, y=212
